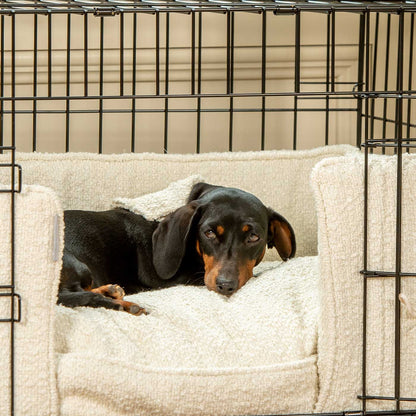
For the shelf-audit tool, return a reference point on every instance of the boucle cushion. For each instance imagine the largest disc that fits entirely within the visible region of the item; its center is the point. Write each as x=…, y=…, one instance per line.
x=157, y=205
x=38, y=241
x=197, y=352
x=339, y=192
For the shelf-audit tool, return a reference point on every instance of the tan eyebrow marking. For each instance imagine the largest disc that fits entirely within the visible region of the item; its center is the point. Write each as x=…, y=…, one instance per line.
x=246, y=228
x=220, y=230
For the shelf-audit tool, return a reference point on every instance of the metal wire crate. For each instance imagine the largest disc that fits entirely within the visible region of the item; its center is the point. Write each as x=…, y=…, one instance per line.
x=378, y=94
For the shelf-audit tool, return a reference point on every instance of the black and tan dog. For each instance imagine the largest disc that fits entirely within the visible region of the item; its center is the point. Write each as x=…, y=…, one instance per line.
x=216, y=238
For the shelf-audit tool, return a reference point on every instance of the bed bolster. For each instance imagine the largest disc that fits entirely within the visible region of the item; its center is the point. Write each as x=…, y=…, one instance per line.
x=339, y=194
x=38, y=253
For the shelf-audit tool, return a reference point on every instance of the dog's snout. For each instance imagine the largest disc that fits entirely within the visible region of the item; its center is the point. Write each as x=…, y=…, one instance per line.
x=226, y=286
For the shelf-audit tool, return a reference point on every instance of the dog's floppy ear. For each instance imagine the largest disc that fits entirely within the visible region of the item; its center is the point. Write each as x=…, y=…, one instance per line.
x=170, y=240
x=281, y=235
x=200, y=189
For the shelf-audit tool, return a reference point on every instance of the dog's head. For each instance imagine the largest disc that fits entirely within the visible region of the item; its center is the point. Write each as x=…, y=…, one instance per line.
x=228, y=228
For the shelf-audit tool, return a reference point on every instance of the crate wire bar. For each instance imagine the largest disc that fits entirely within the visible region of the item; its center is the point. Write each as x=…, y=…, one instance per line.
x=363, y=91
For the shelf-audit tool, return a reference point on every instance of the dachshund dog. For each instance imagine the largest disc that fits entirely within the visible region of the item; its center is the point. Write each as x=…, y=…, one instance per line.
x=215, y=239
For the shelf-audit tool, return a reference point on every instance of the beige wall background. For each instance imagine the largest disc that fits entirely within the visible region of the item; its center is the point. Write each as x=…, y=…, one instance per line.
x=182, y=126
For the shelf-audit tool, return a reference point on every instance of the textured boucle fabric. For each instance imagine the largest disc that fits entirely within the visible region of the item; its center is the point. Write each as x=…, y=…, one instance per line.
x=157, y=205
x=280, y=179
x=197, y=352
x=339, y=192
x=37, y=245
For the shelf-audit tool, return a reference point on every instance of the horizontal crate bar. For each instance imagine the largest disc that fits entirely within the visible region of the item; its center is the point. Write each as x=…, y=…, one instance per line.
x=321, y=95
x=388, y=398
x=392, y=140
x=179, y=110
x=379, y=273
x=385, y=94
x=403, y=145
x=2, y=148
x=406, y=143
x=63, y=6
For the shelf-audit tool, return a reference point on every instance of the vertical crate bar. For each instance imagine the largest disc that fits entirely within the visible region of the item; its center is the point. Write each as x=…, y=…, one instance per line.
x=35, y=82
x=199, y=85
x=193, y=53
x=386, y=76
x=68, y=81
x=86, y=54
x=360, y=78
x=333, y=40
x=231, y=82
x=367, y=75
x=363, y=40
x=12, y=215
x=228, y=51
x=297, y=78
x=101, y=92
x=410, y=76
x=327, y=69
x=1, y=80
x=399, y=137
x=133, y=86
x=263, y=76
x=157, y=52
x=49, y=55
x=121, y=53
x=166, y=110
x=374, y=76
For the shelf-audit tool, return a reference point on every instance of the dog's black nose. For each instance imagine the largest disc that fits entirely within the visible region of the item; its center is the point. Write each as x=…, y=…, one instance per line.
x=225, y=286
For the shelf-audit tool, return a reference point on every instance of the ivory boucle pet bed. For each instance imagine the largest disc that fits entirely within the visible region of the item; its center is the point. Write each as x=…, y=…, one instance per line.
x=197, y=352
x=224, y=349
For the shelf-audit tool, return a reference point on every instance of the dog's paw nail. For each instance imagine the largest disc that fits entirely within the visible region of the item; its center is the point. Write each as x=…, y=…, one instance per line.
x=137, y=310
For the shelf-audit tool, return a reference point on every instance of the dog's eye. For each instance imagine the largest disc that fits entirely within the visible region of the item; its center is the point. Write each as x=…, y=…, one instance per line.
x=210, y=234
x=253, y=238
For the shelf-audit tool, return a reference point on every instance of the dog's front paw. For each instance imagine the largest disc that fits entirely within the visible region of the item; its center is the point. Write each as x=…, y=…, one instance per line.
x=110, y=291
x=116, y=292
x=132, y=308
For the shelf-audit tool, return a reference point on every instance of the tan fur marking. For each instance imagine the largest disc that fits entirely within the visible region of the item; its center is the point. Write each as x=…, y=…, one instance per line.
x=212, y=270
x=245, y=272
x=220, y=230
x=198, y=248
x=110, y=291
x=130, y=307
x=246, y=228
x=282, y=241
